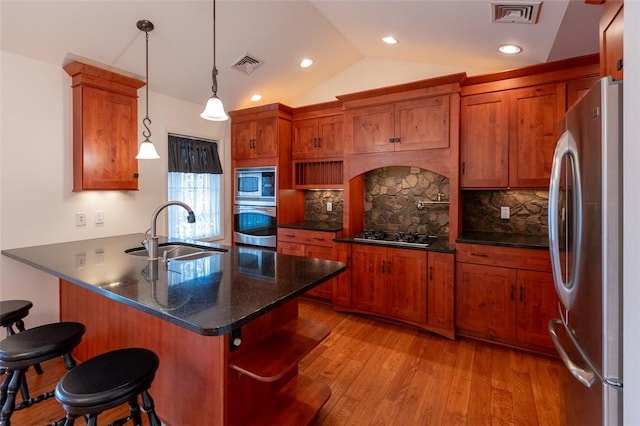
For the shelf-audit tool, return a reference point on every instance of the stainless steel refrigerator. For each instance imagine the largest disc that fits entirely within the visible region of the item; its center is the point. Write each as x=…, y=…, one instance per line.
x=585, y=240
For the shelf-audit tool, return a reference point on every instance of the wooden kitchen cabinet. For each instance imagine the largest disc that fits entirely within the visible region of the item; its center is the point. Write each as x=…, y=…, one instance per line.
x=505, y=295
x=318, y=244
x=255, y=139
x=262, y=136
x=484, y=140
x=440, y=291
x=105, y=129
x=611, y=40
x=535, y=115
x=317, y=138
x=390, y=282
x=401, y=126
x=508, y=137
x=342, y=283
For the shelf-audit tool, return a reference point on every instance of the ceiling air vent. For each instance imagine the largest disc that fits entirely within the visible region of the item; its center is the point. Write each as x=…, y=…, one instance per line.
x=247, y=63
x=515, y=13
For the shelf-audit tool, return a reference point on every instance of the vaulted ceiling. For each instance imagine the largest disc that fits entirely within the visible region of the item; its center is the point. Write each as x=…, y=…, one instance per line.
x=342, y=36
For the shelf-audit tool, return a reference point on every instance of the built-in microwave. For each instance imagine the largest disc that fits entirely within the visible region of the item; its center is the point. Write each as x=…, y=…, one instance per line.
x=255, y=186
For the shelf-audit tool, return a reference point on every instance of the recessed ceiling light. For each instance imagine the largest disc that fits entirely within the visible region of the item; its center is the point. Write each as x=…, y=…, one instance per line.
x=306, y=63
x=390, y=40
x=256, y=97
x=510, y=49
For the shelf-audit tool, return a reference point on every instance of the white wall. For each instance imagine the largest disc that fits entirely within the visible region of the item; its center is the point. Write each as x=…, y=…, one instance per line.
x=631, y=173
x=38, y=206
x=371, y=73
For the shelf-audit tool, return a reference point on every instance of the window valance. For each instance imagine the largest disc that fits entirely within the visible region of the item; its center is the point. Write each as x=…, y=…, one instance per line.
x=191, y=155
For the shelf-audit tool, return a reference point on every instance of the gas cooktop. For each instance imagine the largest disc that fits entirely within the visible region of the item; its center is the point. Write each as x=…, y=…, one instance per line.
x=410, y=239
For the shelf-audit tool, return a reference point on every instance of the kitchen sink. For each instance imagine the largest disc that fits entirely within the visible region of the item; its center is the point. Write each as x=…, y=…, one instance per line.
x=177, y=251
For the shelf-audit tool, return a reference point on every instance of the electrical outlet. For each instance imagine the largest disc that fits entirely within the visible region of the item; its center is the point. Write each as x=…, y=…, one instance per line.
x=99, y=217
x=505, y=213
x=81, y=219
x=329, y=206
x=99, y=258
x=81, y=260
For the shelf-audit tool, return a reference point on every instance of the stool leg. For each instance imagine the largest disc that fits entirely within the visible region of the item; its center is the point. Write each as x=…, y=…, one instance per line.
x=148, y=407
x=70, y=419
x=5, y=385
x=69, y=362
x=10, y=401
x=134, y=411
x=24, y=389
x=92, y=420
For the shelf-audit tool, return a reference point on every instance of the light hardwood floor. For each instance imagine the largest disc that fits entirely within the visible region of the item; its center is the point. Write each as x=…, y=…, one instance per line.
x=385, y=374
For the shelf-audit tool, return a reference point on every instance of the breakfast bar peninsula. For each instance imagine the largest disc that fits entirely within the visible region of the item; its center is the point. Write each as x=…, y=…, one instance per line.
x=223, y=320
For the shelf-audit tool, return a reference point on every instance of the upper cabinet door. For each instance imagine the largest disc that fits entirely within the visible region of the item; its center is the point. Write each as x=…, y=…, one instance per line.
x=266, y=137
x=536, y=113
x=373, y=128
x=330, y=136
x=255, y=139
x=484, y=141
x=105, y=128
x=422, y=124
x=242, y=139
x=305, y=139
x=611, y=40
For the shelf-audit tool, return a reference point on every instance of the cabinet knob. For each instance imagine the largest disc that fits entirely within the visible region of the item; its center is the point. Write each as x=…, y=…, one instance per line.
x=513, y=290
x=619, y=64
x=521, y=293
x=430, y=273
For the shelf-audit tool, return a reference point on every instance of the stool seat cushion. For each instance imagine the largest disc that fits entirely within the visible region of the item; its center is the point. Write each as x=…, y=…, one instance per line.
x=13, y=310
x=108, y=379
x=40, y=344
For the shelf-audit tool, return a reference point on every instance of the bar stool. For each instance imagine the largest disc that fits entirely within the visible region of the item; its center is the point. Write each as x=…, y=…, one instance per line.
x=22, y=350
x=107, y=381
x=12, y=313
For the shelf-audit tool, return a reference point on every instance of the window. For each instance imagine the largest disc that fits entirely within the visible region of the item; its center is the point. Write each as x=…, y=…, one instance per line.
x=194, y=178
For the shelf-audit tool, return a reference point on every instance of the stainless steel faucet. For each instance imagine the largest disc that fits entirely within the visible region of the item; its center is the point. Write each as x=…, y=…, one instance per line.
x=151, y=243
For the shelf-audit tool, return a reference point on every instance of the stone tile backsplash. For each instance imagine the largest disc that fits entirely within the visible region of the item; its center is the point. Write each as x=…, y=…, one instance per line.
x=529, y=215
x=315, y=206
x=391, y=201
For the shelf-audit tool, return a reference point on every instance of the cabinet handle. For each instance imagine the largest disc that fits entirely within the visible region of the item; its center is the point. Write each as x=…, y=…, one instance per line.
x=389, y=267
x=619, y=64
x=430, y=273
x=397, y=140
x=463, y=166
x=383, y=266
x=290, y=236
x=479, y=254
x=521, y=293
x=392, y=140
x=315, y=142
x=319, y=142
x=513, y=290
x=318, y=239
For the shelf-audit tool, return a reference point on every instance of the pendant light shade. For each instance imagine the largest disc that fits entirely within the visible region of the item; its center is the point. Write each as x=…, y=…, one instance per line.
x=146, y=151
x=214, y=110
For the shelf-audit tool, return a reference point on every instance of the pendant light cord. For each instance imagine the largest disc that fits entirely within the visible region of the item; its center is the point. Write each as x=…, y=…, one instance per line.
x=146, y=121
x=214, y=72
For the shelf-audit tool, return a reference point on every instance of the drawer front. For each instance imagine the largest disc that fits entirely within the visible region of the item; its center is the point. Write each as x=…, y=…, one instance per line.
x=303, y=236
x=508, y=257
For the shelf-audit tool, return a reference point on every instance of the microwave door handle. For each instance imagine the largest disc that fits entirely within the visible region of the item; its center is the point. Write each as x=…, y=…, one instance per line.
x=565, y=148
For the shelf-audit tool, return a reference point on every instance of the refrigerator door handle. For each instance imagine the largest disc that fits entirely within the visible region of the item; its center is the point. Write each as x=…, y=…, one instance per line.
x=566, y=147
x=587, y=378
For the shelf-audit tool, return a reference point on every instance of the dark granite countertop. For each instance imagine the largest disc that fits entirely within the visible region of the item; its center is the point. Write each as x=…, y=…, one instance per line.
x=209, y=295
x=440, y=245
x=312, y=225
x=504, y=239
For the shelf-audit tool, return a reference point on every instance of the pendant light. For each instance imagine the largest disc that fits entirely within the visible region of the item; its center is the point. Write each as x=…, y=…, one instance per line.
x=214, y=110
x=147, y=150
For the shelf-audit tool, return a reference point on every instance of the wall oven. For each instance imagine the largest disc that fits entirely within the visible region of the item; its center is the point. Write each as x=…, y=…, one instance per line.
x=255, y=225
x=255, y=186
